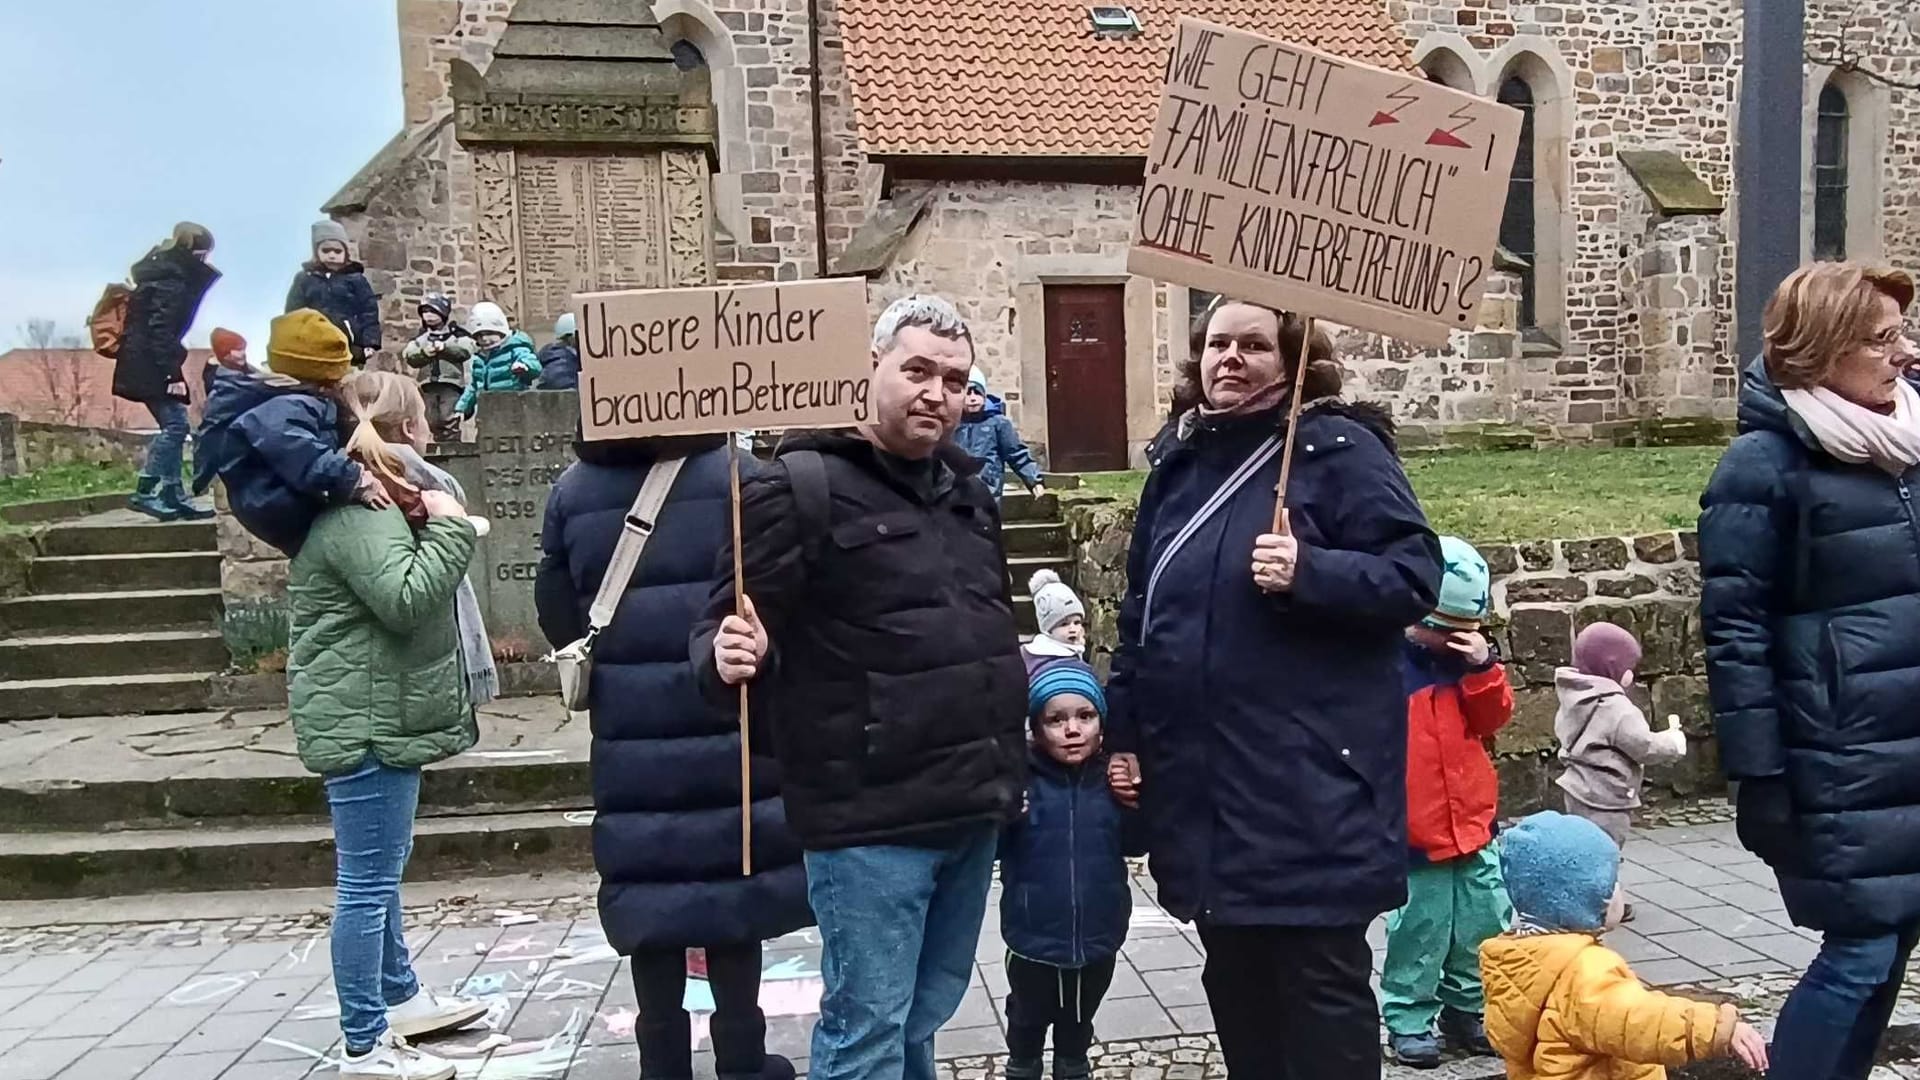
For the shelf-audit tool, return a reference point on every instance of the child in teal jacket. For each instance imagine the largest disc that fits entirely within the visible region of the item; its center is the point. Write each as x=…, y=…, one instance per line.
x=504, y=359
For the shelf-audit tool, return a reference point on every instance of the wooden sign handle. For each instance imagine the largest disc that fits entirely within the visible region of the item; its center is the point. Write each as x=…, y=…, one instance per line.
x=746, y=739
x=1293, y=423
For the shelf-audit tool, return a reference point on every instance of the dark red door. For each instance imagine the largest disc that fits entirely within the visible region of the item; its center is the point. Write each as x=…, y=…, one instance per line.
x=1086, y=378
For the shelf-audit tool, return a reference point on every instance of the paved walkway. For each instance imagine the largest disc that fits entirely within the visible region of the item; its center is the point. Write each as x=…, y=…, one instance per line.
x=251, y=999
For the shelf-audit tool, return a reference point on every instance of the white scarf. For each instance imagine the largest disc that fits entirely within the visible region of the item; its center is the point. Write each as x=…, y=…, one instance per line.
x=1859, y=435
x=1048, y=645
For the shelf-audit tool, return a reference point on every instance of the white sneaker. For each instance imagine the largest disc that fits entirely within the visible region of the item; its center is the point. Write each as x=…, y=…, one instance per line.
x=426, y=1014
x=392, y=1059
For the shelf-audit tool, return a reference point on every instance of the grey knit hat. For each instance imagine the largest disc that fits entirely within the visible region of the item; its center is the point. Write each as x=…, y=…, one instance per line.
x=329, y=229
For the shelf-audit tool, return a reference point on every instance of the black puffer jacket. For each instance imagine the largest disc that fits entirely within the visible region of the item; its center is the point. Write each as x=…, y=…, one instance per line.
x=169, y=284
x=896, y=690
x=1272, y=728
x=343, y=295
x=1811, y=610
x=666, y=762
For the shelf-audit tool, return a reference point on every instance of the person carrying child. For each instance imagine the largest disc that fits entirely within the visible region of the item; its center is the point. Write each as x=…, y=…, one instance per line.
x=439, y=360
x=1605, y=740
x=336, y=286
x=1062, y=620
x=1457, y=697
x=505, y=359
x=987, y=434
x=1065, y=901
x=275, y=438
x=1562, y=1006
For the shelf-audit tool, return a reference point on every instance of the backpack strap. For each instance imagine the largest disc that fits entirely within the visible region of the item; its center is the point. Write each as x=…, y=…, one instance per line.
x=807, y=471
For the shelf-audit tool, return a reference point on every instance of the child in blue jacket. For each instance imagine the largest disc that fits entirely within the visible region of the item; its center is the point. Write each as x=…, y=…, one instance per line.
x=274, y=438
x=336, y=286
x=1066, y=901
x=987, y=434
x=504, y=360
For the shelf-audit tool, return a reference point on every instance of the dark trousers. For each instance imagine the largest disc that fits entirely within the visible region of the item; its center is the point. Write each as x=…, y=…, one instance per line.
x=738, y=1027
x=441, y=419
x=1293, y=1003
x=1040, y=996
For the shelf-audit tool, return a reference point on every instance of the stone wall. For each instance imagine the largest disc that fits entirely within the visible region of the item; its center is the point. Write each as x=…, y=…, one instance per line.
x=27, y=445
x=1544, y=592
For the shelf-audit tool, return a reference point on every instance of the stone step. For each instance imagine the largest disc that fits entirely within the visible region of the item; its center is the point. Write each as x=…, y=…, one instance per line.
x=70, y=656
x=1018, y=506
x=116, y=539
x=48, y=866
x=118, y=573
x=113, y=695
x=81, y=612
x=1021, y=567
x=1037, y=538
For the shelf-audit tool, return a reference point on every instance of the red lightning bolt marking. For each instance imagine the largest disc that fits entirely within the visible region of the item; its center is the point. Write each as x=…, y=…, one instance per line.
x=1449, y=136
x=1405, y=96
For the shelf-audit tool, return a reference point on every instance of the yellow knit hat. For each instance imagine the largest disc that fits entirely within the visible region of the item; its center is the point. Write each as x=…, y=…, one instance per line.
x=305, y=345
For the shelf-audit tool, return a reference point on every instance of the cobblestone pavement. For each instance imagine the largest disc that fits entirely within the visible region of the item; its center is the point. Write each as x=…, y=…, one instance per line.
x=251, y=999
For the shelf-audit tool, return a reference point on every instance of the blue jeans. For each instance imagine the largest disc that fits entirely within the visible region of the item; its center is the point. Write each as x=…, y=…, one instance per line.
x=899, y=926
x=168, y=449
x=1830, y=1027
x=372, y=808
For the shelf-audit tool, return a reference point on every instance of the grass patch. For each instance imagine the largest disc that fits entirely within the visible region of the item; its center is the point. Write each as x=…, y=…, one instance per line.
x=66, y=482
x=1487, y=495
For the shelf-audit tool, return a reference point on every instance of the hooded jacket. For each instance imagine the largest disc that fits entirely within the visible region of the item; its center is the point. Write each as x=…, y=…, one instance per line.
x=559, y=365
x=276, y=444
x=1452, y=789
x=168, y=286
x=666, y=761
x=1605, y=742
x=344, y=296
x=990, y=437
x=1066, y=896
x=1565, y=1007
x=492, y=370
x=1811, y=611
x=1272, y=728
x=447, y=364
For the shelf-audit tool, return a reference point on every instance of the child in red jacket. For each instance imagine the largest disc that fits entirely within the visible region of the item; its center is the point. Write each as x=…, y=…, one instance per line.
x=1457, y=697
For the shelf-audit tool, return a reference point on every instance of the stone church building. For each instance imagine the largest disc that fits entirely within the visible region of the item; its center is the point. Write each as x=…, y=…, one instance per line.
x=990, y=150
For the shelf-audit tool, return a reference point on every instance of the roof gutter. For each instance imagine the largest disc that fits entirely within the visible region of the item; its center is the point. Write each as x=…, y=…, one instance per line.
x=819, y=141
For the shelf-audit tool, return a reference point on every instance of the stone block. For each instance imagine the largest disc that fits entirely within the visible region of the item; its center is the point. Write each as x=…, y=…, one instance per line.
x=1546, y=590
x=1531, y=730
x=1540, y=633
x=1502, y=559
x=253, y=582
x=1492, y=345
x=1682, y=580
x=1684, y=696
x=1526, y=783
x=1588, y=556
x=1658, y=549
x=1537, y=555
x=1626, y=587
x=1690, y=546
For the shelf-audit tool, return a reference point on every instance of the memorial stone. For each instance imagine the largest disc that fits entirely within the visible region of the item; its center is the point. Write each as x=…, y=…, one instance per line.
x=526, y=442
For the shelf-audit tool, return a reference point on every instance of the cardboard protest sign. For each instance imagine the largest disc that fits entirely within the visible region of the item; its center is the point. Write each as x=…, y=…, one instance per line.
x=1295, y=178
x=719, y=358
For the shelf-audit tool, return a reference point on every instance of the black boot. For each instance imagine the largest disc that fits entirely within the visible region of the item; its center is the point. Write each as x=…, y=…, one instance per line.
x=1024, y=1069
x=666, y=1047
x=1071, y=1068
x=149, y=500
x=740, y=1049
x=174, y=495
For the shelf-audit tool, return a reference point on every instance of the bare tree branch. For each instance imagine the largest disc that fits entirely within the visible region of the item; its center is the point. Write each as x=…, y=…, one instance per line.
x=63, y=370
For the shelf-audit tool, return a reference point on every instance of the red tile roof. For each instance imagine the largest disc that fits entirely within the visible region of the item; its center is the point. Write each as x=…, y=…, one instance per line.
x=1029, y=78
x=75, y=387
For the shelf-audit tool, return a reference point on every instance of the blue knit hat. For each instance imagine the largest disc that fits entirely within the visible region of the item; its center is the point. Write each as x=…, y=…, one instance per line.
x=1064, y=676
x=1466, y=588
x=1560, y=870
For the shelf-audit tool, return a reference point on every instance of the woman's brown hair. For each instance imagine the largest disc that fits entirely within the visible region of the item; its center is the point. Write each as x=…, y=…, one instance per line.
x=1323, y=371
x=1822, y=312
x=190, y=236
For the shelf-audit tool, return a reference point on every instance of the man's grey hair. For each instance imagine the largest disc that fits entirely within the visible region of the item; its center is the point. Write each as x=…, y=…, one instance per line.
x=937, y=315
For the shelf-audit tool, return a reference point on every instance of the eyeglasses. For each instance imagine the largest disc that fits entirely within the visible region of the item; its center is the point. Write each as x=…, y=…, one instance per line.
x=1886, y=342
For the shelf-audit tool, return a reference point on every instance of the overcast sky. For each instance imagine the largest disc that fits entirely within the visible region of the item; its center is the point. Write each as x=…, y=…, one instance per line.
x=121, y=117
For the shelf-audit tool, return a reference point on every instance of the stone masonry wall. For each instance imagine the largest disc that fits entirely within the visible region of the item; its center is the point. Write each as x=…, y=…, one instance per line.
x=1544, y=592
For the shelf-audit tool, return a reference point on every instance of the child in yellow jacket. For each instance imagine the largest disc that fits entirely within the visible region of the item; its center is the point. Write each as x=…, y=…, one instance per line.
x=1561, y=1006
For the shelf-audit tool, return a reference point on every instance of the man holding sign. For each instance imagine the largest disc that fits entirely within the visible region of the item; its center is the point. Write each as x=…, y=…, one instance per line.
x=878, y=627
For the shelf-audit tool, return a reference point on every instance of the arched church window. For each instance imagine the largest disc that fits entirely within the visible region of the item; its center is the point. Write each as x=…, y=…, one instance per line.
x=1518, y=226
x=687, y=56
x=1830, y=174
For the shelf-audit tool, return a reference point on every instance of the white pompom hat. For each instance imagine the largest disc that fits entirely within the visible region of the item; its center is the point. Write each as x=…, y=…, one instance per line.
x=1053, y=602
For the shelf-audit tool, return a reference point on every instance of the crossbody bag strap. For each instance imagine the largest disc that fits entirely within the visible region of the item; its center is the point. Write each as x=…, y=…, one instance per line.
x=633, y=540
x=1221, y=496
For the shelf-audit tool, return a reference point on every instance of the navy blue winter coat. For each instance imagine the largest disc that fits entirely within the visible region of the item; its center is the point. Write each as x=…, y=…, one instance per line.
x=559, y=367
x=989, y=436
x=169, y=284
x=666, y=763
x=345, y=296
x=1272, y=729
x=276, y=444
x=1811, y=612
x=1064, y=895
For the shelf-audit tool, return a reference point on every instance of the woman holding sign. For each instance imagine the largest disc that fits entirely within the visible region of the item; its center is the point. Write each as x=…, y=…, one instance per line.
x=666, y=764
x=1257, y=686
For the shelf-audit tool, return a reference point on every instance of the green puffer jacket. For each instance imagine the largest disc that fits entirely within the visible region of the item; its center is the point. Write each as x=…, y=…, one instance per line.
x=375, y=664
